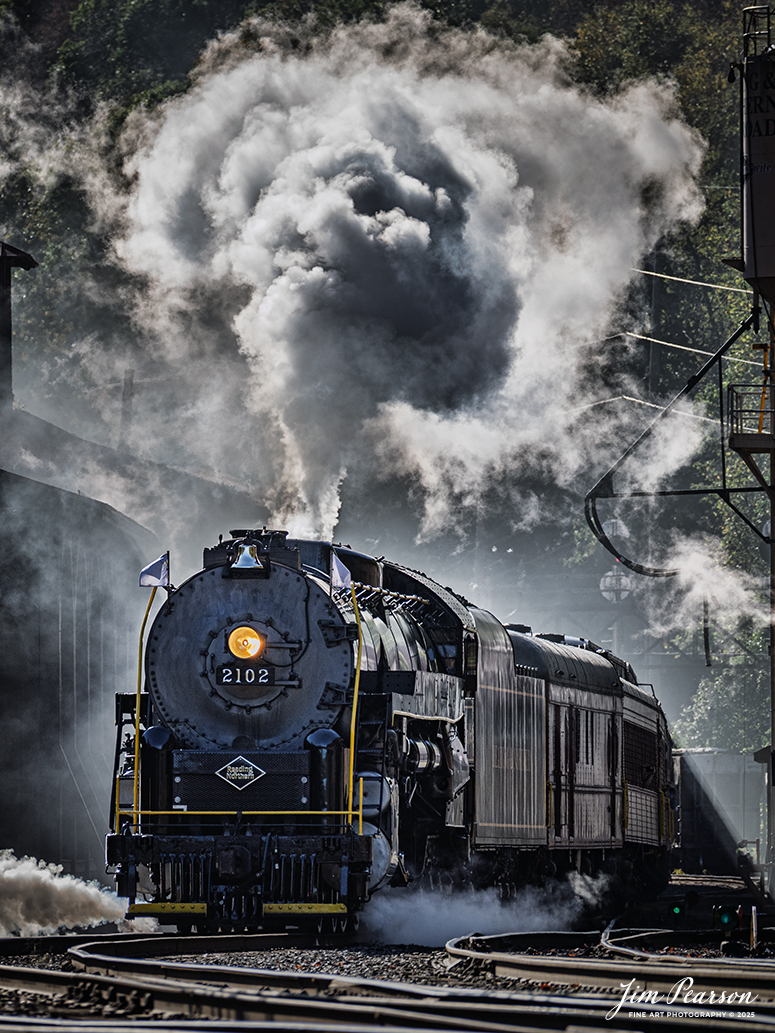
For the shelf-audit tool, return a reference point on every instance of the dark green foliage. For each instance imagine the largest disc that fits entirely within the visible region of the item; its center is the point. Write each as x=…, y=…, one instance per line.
x=619, y=43
x=531, y=19
x=692, y=45
x=139, y=52
x=142, y=48
x=730, y=709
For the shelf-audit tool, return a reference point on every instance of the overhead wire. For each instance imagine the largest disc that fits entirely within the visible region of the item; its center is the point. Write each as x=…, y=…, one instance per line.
x=682, y=347
x=642, y=402
x=696, y=283
x=604, y=486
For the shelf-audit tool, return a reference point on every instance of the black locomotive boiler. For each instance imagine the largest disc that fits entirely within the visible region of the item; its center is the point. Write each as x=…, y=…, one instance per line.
x=317, y=724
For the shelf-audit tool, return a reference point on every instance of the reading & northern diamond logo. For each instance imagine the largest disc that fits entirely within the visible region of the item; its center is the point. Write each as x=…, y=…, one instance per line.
x=240, y=773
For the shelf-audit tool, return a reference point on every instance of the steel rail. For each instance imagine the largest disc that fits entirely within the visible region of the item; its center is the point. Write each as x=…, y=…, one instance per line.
x=119, y=958
x=176, y=998
x=668, y=937
x=669, y=984
x=188, y=1005
x=110, y=959
x=461, y=1001
x=422, y=1008
x=60, y=943
x=653, y=972
x=31, y=1024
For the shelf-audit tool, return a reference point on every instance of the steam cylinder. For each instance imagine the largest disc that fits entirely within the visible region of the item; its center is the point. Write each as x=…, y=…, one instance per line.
x=758, y=173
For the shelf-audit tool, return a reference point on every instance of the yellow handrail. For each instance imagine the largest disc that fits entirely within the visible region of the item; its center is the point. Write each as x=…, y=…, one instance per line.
x=137, y=708
x=765, y=384
x=353, y=720
x=146, y=814
x=350, y=812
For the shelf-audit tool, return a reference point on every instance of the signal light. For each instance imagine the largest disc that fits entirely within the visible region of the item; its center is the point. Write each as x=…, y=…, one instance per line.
x=727, y=917
x=677, y=910
x=245, y=643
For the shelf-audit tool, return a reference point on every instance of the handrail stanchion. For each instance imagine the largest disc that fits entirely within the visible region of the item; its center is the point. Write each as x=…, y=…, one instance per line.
x=136, y=809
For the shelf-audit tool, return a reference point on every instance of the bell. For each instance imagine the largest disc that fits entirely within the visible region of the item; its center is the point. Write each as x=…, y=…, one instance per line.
x=247, y=557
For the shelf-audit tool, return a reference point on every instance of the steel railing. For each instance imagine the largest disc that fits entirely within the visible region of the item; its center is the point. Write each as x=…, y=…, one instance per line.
x=751, y=409
x=757, y=22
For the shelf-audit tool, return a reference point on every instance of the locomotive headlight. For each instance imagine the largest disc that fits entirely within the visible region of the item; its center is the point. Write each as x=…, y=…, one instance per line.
x=245, y=643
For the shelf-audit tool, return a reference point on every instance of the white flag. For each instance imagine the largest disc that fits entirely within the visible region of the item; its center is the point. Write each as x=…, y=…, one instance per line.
x=156, y=574
x=340, y=575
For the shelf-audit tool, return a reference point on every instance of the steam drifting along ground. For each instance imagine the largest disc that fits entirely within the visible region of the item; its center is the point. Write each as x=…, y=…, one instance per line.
x=431, y=918
x=391, y=250
x=36, y=898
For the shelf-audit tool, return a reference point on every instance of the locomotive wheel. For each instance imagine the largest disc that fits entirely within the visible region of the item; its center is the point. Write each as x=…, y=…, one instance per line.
x=546, y=869
x=333, y=925
x=435, y=880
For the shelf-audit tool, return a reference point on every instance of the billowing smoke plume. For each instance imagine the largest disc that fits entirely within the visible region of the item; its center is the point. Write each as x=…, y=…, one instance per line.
x=36, y=898
x=392, y=250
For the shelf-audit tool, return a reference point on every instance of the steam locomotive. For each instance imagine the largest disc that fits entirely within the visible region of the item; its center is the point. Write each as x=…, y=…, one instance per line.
x=317, y=724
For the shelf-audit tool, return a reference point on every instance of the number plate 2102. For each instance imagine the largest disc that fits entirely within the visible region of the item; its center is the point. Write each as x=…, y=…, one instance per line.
x=236, y=674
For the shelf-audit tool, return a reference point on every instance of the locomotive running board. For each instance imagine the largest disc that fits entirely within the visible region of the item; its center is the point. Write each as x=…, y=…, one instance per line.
x=307, y=909
x=151, y=910
x=187, y=908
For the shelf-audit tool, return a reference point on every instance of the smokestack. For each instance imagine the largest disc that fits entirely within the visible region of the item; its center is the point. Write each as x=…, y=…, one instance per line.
x=10, y=258
x=127, y=395
x=758, y=157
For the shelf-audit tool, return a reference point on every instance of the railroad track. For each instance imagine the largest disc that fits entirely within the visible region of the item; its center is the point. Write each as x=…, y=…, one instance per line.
x=719, y=989
x=132, y=976
x=519, y=956
x=225, y=993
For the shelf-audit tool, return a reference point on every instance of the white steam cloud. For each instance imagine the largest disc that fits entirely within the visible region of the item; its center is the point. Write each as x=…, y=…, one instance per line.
x=430, y=919
x=36, y=898
x=392, y=250
x=704, y=578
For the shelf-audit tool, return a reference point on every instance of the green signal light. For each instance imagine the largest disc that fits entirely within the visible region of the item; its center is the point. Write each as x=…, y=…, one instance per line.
x=725, y=916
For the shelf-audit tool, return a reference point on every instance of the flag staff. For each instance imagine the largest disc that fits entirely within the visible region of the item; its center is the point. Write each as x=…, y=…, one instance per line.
x=340, y=577
x=155, y=575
